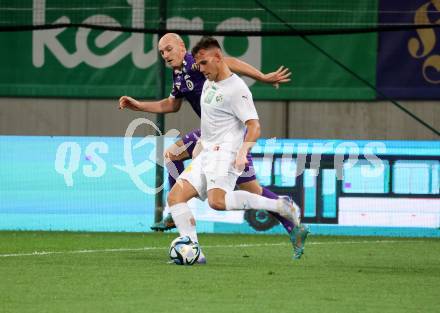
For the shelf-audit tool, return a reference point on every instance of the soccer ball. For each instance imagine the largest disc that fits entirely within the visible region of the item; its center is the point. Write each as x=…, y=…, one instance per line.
x=184, y=251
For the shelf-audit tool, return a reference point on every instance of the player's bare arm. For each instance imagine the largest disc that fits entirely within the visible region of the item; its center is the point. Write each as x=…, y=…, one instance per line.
x=281, y=75
x=253, y=133
x=167, y=105
x=197, y=149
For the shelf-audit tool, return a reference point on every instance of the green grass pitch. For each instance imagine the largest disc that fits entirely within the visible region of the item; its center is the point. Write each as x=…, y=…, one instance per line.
x=127, y=272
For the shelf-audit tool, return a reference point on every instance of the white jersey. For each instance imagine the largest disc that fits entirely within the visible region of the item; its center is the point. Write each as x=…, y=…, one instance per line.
x=226, y=106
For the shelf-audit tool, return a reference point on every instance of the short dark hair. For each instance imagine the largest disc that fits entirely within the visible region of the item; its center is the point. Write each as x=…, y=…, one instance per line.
x=205, y=43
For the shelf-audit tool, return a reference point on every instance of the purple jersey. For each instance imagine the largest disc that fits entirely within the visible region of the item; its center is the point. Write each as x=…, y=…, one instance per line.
x=188, y=83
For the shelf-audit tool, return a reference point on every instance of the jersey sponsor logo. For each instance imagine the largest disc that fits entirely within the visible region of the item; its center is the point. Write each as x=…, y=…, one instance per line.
x=219, y=98
x=209, y=96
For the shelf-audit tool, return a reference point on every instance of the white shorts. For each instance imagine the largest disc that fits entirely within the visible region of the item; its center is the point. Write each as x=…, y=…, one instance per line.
x=212, y=169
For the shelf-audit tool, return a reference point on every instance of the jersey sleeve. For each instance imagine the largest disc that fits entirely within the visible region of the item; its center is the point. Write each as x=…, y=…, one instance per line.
x=175, y=93
x=243, y=106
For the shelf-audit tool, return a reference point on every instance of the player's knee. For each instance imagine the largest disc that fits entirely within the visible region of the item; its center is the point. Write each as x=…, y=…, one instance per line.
x=217, y=204
x=173, y=197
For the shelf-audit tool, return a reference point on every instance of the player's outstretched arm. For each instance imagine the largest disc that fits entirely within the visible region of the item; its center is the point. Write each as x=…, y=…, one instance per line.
x=166, y=105
x=281, y=75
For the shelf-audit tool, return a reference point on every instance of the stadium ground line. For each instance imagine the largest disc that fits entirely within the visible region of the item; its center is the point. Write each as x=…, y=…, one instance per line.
x=41, y=253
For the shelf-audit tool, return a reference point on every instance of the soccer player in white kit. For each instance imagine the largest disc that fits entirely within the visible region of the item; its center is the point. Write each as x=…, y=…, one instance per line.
x=229, y=129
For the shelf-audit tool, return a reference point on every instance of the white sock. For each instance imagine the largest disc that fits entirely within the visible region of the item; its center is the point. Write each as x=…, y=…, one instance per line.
x=184, y=220
x=298, y=210
x=166, y=210
x=244, y=200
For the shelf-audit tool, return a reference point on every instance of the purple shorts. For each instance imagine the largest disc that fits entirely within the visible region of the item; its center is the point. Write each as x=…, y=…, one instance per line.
x=190, y=140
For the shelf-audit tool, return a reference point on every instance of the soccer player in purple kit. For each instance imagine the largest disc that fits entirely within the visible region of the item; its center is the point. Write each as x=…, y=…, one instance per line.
x=187, y=83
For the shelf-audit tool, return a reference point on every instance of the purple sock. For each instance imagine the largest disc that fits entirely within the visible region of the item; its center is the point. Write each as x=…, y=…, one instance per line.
x=175, y=168
x=288, y=225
